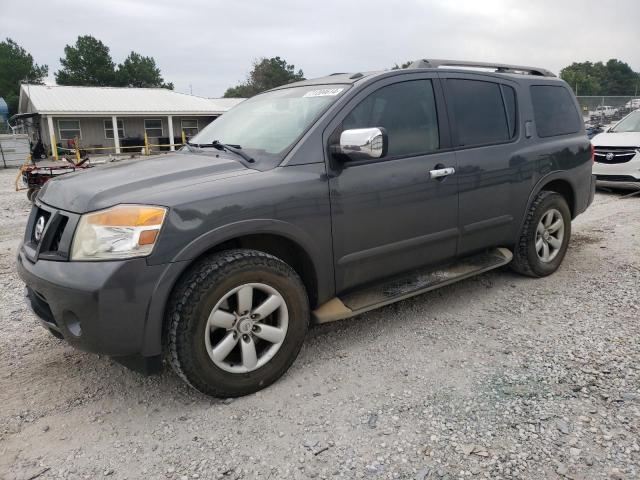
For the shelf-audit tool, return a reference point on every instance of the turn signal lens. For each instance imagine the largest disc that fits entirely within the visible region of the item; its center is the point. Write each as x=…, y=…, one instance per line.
x=129, y=216
x=119, y=232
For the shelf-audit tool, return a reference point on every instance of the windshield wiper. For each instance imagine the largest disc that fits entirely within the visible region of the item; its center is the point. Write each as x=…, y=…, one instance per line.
x=224, y=147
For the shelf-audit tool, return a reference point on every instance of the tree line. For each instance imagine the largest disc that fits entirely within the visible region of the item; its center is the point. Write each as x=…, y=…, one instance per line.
x=612, y=78
x=88, y=62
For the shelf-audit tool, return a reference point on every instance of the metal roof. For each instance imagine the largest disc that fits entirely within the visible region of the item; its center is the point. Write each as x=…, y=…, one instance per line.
x=61, y=100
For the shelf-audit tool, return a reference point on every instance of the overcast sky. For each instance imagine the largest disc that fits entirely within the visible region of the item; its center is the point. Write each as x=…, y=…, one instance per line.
x=210, y=45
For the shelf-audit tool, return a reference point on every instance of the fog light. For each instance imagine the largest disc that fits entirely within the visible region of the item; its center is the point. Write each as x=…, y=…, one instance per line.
x=72, y=322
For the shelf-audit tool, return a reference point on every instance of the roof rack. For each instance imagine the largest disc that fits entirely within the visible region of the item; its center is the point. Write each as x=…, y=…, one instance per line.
x=498, y=67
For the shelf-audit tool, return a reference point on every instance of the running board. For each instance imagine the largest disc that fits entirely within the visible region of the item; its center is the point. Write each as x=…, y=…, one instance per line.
x=409, y=285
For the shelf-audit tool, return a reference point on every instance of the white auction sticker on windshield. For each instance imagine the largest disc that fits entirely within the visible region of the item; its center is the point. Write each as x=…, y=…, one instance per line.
x=323, y=92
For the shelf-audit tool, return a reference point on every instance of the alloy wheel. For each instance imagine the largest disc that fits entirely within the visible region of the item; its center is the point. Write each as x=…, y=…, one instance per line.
x=246, y=328
x=549, y=235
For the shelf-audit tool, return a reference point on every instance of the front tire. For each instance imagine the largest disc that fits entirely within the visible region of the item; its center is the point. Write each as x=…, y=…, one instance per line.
x=236, y=322
x=545, y=236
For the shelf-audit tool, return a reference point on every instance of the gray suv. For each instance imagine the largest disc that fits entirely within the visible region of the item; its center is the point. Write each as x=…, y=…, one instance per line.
x=309, y=203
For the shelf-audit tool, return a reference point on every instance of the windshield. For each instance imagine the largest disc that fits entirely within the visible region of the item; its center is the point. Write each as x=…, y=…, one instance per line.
x=630, y=123
x=266, y=126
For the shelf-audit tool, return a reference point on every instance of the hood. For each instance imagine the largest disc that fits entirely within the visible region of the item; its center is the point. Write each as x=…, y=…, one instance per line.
x=622, y=139
x=135, y=181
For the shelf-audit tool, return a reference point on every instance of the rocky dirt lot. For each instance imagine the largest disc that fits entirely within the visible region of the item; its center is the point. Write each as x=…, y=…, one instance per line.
x=499, y=376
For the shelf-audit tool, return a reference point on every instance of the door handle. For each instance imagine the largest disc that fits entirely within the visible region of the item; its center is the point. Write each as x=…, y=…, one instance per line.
x=441, y=172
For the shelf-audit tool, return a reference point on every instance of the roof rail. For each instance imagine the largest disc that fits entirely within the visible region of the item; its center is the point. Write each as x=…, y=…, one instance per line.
x=498, y=67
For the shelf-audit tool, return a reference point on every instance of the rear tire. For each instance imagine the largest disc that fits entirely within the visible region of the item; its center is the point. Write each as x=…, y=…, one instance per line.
x=224, y=338
x=545, y=236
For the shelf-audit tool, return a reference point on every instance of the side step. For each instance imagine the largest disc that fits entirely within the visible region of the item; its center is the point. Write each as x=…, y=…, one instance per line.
x=409, y=285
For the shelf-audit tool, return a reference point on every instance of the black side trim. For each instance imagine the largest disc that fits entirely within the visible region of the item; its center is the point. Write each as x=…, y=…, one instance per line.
x=397, y=246
x=492, y=222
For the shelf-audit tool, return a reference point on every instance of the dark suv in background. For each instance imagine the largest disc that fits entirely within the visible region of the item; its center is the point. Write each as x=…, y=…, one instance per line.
x=314, y=201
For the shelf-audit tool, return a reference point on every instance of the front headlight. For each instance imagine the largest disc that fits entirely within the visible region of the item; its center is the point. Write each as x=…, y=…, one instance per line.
x=122, y=231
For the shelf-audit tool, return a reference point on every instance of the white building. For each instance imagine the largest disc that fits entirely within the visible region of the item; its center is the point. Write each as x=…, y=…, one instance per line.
x=101, y=117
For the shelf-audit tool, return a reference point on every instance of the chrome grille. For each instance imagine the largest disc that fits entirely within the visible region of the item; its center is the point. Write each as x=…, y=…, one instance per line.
x=615, y=154
x=49, y=233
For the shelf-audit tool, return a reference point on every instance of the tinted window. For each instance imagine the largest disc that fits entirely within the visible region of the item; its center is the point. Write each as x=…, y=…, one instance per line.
x=554, y=111
x=406, y=110
x=509, y=96
x=479, y=112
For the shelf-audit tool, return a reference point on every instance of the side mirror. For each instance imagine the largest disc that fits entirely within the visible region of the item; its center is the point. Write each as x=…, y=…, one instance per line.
x=363, y=143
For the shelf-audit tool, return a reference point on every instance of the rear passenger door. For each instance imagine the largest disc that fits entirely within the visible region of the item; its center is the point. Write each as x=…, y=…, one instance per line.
x=484, y=116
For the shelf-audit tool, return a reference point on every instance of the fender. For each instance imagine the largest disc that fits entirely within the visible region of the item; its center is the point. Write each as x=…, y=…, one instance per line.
x=248, y=227
x=152, y=340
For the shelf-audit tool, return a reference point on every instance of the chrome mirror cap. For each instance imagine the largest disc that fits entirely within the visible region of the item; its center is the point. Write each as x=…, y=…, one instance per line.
x=364, y=143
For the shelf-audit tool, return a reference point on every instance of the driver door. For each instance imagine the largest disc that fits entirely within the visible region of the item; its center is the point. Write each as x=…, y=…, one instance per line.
x=388, y=215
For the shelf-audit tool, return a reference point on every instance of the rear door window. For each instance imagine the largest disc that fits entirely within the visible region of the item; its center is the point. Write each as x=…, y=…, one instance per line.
x=407, y=110
x=479, y=112
x=554, y=111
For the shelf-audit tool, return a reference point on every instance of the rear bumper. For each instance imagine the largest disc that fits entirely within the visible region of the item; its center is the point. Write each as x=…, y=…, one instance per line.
x=97, y=307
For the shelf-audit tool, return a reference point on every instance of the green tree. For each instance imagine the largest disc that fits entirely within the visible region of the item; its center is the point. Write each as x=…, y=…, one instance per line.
x=267, y=73
x=140, y=71
x=87, y=63
x=16, y=66
x=613, y=78
x=402, y=66
x=621, y=79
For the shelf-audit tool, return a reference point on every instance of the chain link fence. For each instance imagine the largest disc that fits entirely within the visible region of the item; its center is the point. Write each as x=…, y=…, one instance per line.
x=604, y=110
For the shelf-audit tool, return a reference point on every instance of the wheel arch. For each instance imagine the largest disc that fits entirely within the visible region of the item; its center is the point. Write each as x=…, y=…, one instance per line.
x=294, y=250
x=280, y=246
x=554, y=182
x=564, y=188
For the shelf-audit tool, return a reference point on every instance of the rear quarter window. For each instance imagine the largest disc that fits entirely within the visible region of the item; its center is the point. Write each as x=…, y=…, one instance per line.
x=554, y=110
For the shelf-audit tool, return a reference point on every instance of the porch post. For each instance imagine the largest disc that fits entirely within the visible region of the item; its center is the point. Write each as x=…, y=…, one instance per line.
x=52, y=137
x=172, y=146
x=116, y=139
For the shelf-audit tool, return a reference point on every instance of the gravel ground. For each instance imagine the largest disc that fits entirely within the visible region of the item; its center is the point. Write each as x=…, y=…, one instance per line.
x=499, y=376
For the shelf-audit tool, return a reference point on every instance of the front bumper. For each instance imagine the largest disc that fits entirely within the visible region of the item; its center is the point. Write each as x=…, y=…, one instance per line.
x=100, y=307
x=618, y=175
x=621, y=183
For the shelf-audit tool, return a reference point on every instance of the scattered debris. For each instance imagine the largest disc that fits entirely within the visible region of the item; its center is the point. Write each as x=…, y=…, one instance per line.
x=41, y=472
x=323, y=449
x=373, y=419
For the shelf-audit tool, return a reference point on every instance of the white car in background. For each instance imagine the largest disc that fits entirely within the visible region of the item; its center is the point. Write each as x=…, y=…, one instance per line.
x=617, y=154
x=633, y=104
x=605, y=111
